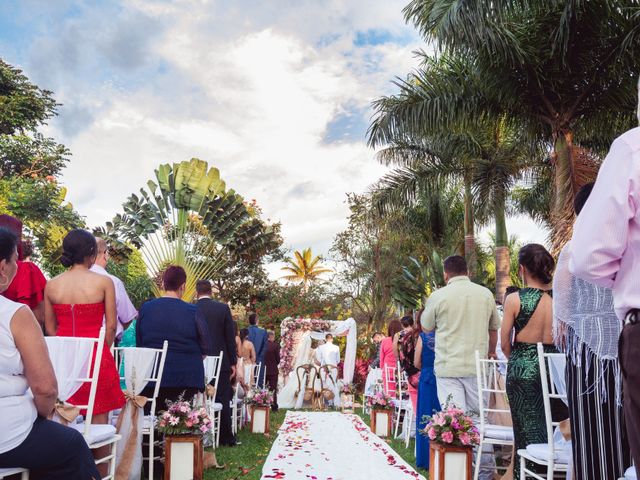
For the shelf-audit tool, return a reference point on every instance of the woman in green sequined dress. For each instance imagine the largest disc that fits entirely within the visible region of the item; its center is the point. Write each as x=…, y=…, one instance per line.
x=527, y=320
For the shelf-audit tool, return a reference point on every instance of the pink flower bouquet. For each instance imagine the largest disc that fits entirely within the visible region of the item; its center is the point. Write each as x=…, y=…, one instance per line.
x=182, y=418
x=380, y=401
x=452, y=426
x=348, y=389
x=260, y=397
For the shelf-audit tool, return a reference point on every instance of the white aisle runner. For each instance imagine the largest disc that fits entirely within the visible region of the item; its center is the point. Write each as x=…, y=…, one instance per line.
x=332, y=446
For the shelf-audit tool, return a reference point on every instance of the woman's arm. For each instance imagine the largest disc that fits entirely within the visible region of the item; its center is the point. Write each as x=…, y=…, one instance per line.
x=511, y=309
x=38, y=370
x=417, y=356
x=383, y=353
x=110, y=314
x=50, y=320
x=252, y=352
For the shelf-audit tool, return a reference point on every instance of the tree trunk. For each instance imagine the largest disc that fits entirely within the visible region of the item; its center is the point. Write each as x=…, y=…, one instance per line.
x=565, y=186
x=503, y=263
x=469, y=226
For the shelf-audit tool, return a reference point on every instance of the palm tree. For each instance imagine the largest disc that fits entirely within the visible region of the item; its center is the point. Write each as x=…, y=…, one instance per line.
x=564, y=71
x=304, y=268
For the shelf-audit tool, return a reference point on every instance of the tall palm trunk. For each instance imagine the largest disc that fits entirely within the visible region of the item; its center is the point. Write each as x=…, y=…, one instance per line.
x=469, y=226
x=565, y=186
x=503, y=261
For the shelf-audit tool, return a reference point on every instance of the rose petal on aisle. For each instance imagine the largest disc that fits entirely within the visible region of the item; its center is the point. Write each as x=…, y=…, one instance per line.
x=332, y=446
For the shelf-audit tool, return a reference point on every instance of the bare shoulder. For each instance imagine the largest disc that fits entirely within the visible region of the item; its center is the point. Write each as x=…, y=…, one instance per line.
x=512, y=300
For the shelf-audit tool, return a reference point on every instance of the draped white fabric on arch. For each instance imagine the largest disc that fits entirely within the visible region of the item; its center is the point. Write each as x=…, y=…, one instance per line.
x=304, y=355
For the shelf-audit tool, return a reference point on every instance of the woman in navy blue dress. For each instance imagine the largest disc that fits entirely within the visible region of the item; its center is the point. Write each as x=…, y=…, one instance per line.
x=427, y=393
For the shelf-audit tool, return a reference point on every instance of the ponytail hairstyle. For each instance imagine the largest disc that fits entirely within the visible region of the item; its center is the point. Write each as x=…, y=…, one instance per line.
x=538, y=262
x=77, y=246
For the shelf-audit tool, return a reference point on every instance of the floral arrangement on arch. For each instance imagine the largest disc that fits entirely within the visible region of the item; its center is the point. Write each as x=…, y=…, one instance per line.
x=380, y=401
x=260, y=397
x=289, y=327
x=452, y=426
x=182, y=418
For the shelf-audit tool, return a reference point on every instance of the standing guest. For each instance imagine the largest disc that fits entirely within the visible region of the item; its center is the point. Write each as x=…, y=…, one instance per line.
x=528, y=319
x=388, y=357
x=428, y=402
x=125, y=310
x=248, y=357
x=272, y=360
x=406, y=349
x=465, y=319
x=222, y=338
x=604, y=251
x=28, y=392
x=258, y=336
x=77, y=303
x=587, y=329
x=181, y=324
x=28, y=284
x=240, y=356
x=376, y=338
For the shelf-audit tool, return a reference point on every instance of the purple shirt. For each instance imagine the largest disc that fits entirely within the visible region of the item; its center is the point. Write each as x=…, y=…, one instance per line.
x=605, y=248
x=125, y=310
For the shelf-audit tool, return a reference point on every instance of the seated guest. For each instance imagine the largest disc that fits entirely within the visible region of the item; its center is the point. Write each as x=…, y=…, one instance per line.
x=28, y=391
x=179, y=323
x=388, y=357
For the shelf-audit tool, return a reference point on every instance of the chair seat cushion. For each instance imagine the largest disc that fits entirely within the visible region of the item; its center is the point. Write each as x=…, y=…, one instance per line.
x=5, y=472
x=402, y=404
x=498, y=432
x=97, y=433
x=562, y=455
x=630, y=474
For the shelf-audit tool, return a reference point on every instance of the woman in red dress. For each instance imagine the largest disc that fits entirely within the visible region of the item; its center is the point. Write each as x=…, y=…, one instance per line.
x=77, y=302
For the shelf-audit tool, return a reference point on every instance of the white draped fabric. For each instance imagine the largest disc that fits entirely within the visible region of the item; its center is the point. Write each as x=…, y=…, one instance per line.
x=70, y=358
x=312, y=444
x=138, y=368
x=304, y=354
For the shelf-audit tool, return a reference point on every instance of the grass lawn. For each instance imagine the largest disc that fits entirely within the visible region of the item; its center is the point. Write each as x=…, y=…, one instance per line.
x=255, y=448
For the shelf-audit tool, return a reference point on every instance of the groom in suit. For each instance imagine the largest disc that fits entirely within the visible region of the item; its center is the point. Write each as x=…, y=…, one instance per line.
x=258, y=336
x=223, y=339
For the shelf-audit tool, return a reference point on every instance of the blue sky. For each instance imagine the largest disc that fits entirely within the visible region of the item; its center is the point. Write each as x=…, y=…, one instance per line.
x=275, y=94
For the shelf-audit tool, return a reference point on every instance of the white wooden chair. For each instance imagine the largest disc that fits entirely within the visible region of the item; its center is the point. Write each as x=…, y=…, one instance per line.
x=155, y=377
x=487, y=372
x=7, y=472
x=212, y=367
x=237, y=410
x=257, y=372
x=551, y=455
x=402, y=406
x=62, y=350
x=389, y=383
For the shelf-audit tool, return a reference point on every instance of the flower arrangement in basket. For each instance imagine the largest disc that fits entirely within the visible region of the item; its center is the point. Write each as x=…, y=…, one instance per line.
x=452, y=426
x=182, y=418
x=259, y=397
x=348, y=389
x=380, y=401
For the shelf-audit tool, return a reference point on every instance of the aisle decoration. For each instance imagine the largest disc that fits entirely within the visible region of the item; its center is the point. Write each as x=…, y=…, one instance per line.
x=381, y=406
x=183, y=426
x=347, y=393
x=288, y=328
x=452, y=436
x=260, y=400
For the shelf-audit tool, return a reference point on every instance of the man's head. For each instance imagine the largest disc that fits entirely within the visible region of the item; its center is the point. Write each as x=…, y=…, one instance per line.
x=253, y=319
x=582, y=196
x=102, y=257
x=454, y=266
x=203, y=288
x=328, y=338
x=377, y=337
x=509, y=290
x=271, y=336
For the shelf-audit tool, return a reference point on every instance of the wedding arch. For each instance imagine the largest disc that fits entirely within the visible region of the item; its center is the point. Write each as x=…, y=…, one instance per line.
x=296, y=335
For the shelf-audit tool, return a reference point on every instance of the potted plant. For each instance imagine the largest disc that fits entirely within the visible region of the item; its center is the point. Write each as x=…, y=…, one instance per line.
x=381, y=406
x=183, y=426
x=347, y=393
x=452, y=436
x=260, y=401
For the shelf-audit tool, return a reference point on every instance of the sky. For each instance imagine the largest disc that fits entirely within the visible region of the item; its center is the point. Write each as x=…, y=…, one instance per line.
x=277, y=95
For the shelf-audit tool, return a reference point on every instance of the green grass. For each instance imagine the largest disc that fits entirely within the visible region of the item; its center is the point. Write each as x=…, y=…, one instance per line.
x=254, y=450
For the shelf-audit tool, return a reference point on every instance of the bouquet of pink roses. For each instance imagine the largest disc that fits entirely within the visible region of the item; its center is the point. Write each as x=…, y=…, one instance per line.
x=182, y=418
x=260, y=397
x=452, y=426
x=380, y=401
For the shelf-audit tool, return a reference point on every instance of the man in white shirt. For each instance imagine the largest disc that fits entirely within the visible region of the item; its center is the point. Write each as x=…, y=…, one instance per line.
x=328, y=354
x=124, y=308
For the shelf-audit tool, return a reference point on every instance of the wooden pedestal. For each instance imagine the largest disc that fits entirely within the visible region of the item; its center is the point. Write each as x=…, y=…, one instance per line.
x=450, y=463
x=260, y=419
x=183, y=457
x=381, y=422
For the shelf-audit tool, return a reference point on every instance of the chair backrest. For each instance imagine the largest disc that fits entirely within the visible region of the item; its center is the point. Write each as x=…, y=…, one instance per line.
x=257, y=368
x=487, y=374
x=212, y=367
x=62, y=349
x=390, y=379
x=549, y=389
x=401, y=380
x=155, y=374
